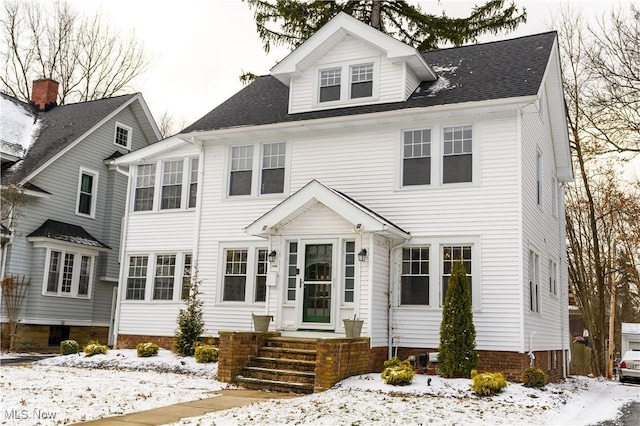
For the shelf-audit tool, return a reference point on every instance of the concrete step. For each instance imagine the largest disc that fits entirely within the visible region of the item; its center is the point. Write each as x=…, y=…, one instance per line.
x=273, y=385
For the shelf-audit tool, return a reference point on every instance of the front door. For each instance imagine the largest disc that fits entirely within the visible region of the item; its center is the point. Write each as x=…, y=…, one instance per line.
x=318, y=272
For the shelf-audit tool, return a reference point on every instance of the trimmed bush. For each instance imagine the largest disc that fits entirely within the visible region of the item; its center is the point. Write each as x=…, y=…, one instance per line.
x=486, y=384
x=68, y=347
x=533, y=377
x=95, y=348
x=206, y=353
x=147, y=349
x=398, y=373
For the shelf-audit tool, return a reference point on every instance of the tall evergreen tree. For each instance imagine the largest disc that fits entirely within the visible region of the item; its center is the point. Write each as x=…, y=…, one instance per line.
x=291, y=22
x=190, y=322
x=457, y=353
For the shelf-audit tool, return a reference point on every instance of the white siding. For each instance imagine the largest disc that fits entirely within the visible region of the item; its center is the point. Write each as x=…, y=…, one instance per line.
x=379, y=291
x=390, y=83
x=544, y=234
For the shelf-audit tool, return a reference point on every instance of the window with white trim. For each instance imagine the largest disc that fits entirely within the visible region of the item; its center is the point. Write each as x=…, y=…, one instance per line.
x=361, y=81
x=450, y=255
x=416, y=154
x=539, y=178
x=292, y=270
x=244, y=274
x=193, y=182
x=554, y=197
x=330, y=81
x=145, y=187
x=122, y=136
x=457, y=154
x=176, y=181
x=171, y=184
x=187, y=276
x=165, y=277
x=159, y=277
x=69, y=273
x=534, y=281
x=349, y=271
x=137, y=278
x=553, y=278
x=414, y=280
x=273, y=167
x=87, y=193
x=241, y=170
x=271, y=162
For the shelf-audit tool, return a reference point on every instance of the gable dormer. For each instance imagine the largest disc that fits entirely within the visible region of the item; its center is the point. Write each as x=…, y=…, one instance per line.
x=348, y=63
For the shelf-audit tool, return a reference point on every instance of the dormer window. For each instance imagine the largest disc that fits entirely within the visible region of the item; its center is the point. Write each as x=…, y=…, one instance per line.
x=362, y=81
x=330, y=84
x=123, y=136
x=343, y=83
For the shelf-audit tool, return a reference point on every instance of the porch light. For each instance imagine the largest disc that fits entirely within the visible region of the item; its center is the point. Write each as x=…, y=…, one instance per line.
x=362, y=255
x=272, y=256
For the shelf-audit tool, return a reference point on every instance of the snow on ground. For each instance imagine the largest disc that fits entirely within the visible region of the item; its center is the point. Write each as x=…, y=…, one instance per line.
x=76, y=388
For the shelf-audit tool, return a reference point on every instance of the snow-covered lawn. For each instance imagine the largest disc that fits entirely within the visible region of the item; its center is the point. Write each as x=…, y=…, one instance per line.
x=75, y=388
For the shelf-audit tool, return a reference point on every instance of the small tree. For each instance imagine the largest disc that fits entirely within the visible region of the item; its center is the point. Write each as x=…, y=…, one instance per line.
x=190, y=322
x=14, y=291
x=457, y=352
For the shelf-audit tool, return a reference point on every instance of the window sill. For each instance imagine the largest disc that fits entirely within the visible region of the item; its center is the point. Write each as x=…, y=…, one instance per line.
x=66, y=296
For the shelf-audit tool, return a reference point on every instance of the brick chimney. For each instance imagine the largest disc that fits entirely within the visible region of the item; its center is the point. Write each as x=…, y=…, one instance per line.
x=44, y=94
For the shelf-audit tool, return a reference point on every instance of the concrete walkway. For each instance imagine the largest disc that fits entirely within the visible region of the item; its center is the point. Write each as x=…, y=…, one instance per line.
x=224, y=399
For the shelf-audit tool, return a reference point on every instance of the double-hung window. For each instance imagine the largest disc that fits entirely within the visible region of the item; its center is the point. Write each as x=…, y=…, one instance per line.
x=145, y=186
x=450, y=255
x=165, y=276
x=273, y=164
x=187, y=276
x=414, y=286
x=87, y=193
x=171, y=184
x=122, y=136
x=241, y=170
x=553, y=280
x=539, y=178
x=416, y=163
x=361, y=81
x=457, y=155
x=534, y=281
x=137, y=277
x=68, y=274
x=245, y=271
x=193, y=182
x=330, y=80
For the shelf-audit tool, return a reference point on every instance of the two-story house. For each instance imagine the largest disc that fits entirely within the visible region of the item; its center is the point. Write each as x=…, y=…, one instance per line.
x=63, y=236
x=347, y=182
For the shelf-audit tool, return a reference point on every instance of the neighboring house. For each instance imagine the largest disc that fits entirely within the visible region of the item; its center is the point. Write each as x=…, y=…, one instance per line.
x=347, y=182
x=65, y=237
x=630, y=337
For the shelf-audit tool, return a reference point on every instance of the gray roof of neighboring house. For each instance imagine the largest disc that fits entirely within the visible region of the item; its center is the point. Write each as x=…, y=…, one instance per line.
x=497, y=70
x=58, y=128
x=67, y=232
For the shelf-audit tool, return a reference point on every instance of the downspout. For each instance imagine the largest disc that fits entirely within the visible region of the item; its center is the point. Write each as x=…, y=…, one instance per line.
x=391, y=295
x=198, y=218
x=123, y=242
x=564, y=299
x=532, y=357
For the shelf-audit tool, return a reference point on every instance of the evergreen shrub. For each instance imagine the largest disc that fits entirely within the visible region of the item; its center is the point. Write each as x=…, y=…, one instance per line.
x=398, y=373
x=147, y=349
x=69, y=347
x=533, y=377
x=95, y=348
x=190, y=323
x=486, y=384
x=206, y=353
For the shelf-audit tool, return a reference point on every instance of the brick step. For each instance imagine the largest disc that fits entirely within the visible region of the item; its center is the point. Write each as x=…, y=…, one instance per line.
x=289, y=376
x=283, y=363
x=292, y=343
x=274, y=385
x=277, y=352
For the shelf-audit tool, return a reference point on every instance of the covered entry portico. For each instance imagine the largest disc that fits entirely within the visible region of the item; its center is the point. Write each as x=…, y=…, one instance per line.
x=331, y=254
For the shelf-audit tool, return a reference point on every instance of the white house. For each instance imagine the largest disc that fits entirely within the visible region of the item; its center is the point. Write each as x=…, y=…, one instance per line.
x=346, y=182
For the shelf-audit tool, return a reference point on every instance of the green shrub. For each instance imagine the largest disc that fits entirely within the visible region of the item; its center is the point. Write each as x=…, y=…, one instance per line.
x=190, y=322
x=95, y=348
x=457, y=354
x=398, y=373
x=206, y=353
x=69, y=347
x=147, y=349
x=485, y=384
x=533, y=377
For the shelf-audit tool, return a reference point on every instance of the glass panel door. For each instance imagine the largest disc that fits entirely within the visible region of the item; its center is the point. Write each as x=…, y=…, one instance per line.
x=317, y=280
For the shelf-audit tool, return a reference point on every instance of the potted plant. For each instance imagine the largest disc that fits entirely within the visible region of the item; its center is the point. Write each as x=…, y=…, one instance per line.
x=353, y=327
x=261, y=322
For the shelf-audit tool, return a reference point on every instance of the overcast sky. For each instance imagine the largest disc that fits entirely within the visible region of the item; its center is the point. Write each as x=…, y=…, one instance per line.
x=199, y=48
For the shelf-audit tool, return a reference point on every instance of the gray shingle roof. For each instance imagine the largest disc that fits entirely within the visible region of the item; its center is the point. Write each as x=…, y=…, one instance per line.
x=59, y=127
x=497, y=70
x=67, y=232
